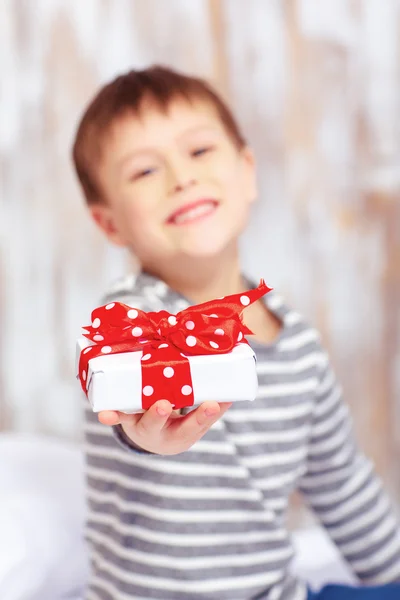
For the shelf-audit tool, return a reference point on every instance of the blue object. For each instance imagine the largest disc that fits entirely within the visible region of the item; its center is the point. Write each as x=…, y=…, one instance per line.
x=340, y=592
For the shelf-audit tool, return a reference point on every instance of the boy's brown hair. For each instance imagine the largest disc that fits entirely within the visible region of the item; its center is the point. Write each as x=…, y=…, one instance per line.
x=126, y=94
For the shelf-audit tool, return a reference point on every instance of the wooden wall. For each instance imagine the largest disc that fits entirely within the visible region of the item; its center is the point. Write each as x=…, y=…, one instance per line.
x=316, y=86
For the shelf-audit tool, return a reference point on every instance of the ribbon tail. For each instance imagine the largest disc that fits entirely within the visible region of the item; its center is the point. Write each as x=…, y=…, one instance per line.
x=246, y=330
x=259, y=291
x=243, y=300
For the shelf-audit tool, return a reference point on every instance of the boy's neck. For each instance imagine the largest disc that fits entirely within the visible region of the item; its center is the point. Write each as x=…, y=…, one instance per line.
x=204, y=279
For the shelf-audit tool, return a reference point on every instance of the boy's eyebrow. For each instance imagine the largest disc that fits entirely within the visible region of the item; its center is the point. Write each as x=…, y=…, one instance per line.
x=205, y=127
x=148, y=150
x=127, y=157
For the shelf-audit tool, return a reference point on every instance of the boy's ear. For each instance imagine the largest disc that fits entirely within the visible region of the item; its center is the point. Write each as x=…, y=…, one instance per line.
x=103, y=217
x=250, y=174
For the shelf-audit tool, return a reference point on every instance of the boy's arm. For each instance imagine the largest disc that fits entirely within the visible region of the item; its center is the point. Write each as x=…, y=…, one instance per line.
x=343, y=489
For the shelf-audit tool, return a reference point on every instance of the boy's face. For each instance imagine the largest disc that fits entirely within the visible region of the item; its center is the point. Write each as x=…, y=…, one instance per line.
x=174, y=184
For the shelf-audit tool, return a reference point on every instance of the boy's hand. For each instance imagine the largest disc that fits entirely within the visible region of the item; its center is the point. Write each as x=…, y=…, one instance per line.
x=160, y=430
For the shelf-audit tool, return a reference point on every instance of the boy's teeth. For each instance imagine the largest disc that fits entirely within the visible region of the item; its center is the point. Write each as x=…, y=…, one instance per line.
x=193, y=213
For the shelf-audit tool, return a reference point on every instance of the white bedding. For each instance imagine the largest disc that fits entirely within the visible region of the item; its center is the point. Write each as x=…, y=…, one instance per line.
x=42, y=514
x=41, y=518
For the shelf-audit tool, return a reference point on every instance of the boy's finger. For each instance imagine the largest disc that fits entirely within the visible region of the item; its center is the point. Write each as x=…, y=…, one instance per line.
x=109, y=417
x=209, y=412
x=199, y=420
x=206, y=412
x=154, y=419
x=113, y=417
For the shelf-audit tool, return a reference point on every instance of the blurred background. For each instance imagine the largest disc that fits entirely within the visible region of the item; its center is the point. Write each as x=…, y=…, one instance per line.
x=316, y=87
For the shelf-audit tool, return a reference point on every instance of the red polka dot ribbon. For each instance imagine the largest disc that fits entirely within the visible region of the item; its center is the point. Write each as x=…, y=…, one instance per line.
x=167, y=340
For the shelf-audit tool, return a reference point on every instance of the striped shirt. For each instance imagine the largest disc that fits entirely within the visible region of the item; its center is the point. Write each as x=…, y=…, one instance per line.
x=209, y=524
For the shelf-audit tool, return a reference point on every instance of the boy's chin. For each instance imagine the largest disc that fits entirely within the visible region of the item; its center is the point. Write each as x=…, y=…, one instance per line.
x=210, y=238
x=206, y=249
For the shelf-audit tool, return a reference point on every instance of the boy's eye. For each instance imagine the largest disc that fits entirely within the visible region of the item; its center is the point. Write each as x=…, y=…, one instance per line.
x=201, y=151
x=143, y=173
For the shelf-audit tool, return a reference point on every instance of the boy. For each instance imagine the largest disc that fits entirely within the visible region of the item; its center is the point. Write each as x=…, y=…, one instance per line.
x=193, y=506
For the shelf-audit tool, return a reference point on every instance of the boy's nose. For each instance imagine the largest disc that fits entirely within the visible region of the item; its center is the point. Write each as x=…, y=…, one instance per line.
x=181, y=177
x=183, y=184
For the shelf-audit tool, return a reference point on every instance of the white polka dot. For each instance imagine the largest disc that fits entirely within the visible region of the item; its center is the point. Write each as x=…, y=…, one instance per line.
x=168, y=372
x=186, y=390
x=214, y=345
x=148, y=390
x=98, y=338
x=110, y=306
x=189, y=325
x=240, y=336
x=137, y=331
x=84, y=375
x=245, y=300
x=106, y=349
x=219, y=332
x=146, y=357
x=96, y=323
x=159, y=331
x=191, y=340
x=213, y=316
x=163, y=346
x=87, y=350
x=172, y=320
x=133, y=313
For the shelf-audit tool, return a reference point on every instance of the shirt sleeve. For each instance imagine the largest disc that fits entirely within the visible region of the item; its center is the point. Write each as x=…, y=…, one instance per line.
x=341, y=487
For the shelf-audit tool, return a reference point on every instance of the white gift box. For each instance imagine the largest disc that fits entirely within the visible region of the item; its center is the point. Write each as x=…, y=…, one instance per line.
x=114, y=381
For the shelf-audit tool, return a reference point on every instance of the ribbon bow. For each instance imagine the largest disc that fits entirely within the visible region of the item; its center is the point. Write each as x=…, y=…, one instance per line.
x=166, y=340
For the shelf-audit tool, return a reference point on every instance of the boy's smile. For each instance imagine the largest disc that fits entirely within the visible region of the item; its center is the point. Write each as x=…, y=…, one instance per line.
x=175, y=184
x=193, y=211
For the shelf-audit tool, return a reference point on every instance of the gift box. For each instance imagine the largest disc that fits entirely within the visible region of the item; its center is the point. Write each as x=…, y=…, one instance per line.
x=114, y=382
x=128, y=359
